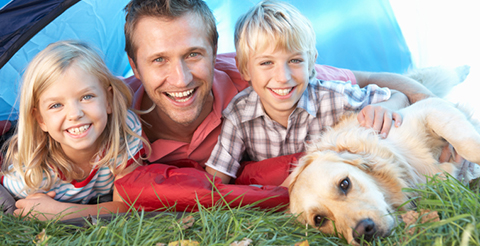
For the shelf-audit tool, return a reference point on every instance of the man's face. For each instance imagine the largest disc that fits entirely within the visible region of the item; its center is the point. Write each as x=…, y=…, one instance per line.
x=175, y=61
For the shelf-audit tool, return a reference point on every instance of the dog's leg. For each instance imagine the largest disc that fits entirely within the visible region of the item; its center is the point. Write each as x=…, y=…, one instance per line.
x=448, y=122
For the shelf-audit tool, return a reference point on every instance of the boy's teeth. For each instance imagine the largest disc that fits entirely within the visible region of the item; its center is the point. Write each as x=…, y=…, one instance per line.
x=282, y=92
x=78, y=130
x=180, y=96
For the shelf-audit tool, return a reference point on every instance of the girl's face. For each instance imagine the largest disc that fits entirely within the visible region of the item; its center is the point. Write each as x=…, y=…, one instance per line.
x=74, y=111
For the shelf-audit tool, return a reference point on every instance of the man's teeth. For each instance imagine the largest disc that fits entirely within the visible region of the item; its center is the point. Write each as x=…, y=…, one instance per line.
x=282, y=92
x=78, y=130
x=181, y=96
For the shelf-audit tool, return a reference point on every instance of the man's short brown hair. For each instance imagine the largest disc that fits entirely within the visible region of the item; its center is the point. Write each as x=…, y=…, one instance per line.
x=169, y=10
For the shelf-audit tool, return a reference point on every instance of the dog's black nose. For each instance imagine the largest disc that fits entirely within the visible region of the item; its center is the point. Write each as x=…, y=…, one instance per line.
x=365, y=228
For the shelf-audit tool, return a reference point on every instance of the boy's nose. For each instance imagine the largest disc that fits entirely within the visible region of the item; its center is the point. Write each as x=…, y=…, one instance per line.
x=283, y=74
x=180, y=75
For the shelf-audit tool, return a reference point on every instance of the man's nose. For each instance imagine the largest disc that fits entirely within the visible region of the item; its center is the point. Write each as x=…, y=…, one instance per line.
x=181, y=74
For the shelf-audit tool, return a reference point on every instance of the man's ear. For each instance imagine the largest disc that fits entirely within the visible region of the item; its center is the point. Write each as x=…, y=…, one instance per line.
x=109, y=99
x=39, y=119
x=244, y=73
x=134, y=67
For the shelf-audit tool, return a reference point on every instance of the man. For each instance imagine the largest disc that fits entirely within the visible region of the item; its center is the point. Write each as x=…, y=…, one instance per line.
x=172, y=48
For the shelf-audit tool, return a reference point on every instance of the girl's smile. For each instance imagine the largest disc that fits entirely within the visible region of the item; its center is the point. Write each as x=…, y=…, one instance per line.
x=74, y=110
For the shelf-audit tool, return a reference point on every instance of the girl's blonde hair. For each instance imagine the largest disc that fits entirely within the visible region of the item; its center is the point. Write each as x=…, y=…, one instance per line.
x=32, y=151
x=278, y=23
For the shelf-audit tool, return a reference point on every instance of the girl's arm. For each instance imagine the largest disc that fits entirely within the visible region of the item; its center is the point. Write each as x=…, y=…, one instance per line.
x=45, y=207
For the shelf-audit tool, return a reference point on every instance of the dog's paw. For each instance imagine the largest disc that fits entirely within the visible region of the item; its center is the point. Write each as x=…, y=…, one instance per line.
x=462, y=72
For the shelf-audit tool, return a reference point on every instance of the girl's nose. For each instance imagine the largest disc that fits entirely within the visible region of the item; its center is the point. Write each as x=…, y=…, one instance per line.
x=75, y=112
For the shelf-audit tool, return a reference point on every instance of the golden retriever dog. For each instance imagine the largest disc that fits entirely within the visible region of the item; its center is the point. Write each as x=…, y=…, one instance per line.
x=350, y=180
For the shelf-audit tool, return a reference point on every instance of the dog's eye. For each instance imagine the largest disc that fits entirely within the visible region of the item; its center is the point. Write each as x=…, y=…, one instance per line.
x=345, y=184
x=319, y=220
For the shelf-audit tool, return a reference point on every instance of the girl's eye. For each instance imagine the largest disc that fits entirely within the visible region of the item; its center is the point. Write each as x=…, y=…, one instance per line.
x=56, y=105
x=87, y=97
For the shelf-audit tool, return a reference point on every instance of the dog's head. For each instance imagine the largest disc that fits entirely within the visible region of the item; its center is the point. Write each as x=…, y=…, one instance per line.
x=350, y=193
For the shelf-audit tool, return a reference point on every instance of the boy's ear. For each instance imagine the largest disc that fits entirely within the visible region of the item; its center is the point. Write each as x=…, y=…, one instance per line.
x=244, y=72
x=109, y=99
x=39, y=120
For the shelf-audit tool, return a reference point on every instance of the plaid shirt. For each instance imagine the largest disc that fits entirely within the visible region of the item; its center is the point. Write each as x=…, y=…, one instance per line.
x=247, y=129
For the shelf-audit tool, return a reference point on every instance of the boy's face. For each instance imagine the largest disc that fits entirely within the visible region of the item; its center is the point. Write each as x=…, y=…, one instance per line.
x=279, y=77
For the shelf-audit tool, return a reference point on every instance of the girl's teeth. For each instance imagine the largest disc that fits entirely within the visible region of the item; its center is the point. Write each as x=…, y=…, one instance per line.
x=78, y=130
x=282, y=92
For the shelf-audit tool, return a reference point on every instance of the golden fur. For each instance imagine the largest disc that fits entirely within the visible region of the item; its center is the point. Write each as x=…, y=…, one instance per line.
x=350, y=181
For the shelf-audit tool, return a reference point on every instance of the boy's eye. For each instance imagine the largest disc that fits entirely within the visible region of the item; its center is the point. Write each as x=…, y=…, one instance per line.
x=295, y=60
x=266, y=63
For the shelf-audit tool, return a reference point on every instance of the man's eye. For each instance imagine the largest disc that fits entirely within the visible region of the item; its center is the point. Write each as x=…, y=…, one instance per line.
x=193, y=54
x=160, y=59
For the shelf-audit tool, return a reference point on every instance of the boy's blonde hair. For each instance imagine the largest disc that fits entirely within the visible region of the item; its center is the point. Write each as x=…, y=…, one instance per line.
x=32, y=151
x=274, y=22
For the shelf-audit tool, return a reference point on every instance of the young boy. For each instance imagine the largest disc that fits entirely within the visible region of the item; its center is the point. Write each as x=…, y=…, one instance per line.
x=285, y=105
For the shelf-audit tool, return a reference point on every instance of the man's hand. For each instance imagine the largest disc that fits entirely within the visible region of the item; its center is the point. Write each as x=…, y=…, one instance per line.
x=379, y=118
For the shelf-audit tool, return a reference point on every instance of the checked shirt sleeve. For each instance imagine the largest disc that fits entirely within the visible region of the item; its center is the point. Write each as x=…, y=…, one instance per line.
x=357, y=98
x=228, y=151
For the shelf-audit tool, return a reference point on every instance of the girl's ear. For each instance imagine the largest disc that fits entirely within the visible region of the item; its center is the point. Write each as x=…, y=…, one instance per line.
x=109, y=99
x=244, y=73
x=39, y=119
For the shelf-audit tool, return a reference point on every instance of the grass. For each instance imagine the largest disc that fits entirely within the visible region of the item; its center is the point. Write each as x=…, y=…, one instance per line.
x=458, y=207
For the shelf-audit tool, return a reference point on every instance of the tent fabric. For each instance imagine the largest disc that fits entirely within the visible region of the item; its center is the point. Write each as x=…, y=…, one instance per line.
x=358, y=35
x=35, y=15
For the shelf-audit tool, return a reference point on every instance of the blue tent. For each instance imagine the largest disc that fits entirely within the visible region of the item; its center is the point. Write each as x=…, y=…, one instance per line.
x=358, y=35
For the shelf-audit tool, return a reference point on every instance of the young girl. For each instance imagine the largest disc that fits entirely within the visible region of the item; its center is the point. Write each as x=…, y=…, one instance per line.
x=75, y=135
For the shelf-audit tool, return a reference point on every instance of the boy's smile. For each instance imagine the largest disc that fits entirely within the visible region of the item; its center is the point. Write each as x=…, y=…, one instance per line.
x=279, y=77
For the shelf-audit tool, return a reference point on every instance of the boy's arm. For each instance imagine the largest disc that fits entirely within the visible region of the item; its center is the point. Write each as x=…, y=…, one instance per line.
x=410, y=87
x=380, y=116
x=225, y=178
x=227, y=152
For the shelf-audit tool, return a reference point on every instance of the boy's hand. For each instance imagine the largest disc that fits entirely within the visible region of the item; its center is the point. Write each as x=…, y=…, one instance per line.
x=379, y=118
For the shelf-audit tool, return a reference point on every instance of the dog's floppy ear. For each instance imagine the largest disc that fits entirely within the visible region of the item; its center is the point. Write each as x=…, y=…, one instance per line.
x=303, y=163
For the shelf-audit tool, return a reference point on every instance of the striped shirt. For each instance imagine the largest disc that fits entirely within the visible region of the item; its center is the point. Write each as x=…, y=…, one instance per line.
x=99, y=182
x=248, y=130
